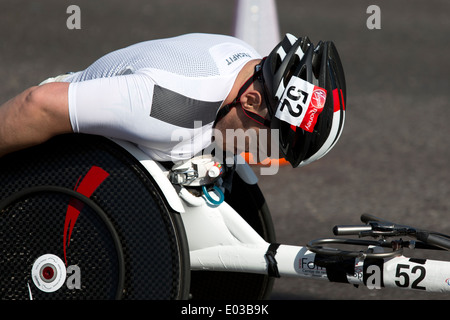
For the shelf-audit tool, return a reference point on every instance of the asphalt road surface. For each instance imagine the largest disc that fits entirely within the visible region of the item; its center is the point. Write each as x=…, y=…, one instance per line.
x=392, y=159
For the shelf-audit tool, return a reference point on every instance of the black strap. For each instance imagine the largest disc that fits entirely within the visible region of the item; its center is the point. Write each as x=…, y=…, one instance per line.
x=272, y=265
x=223, y=112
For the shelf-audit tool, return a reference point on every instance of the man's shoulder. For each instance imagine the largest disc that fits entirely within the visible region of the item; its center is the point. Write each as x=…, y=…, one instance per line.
x=210, y=38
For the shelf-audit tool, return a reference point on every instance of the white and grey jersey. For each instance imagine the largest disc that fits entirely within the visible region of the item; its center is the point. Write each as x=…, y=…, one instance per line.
x=162, y=95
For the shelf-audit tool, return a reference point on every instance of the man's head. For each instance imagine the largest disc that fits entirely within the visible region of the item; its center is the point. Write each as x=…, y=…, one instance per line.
x=298, y=90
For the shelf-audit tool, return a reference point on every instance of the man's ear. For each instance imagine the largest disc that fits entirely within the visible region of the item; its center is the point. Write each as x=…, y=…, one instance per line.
x=251, y=100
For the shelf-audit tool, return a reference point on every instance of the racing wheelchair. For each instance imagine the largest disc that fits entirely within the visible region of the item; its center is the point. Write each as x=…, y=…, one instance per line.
x=87, y=217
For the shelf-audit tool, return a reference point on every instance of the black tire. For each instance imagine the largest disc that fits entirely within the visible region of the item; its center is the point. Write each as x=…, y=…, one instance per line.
x=126, y=241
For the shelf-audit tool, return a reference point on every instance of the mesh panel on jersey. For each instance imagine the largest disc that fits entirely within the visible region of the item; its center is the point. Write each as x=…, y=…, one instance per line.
x=186, y=56
x=188, y=112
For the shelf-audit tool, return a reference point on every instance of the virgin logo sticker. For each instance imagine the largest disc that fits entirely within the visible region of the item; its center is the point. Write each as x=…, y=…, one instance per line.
x=315, y=108
x=301, y=104
x=318, y=98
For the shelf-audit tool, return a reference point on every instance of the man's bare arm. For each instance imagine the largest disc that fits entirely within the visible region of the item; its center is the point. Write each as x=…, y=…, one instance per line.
x=34, y=116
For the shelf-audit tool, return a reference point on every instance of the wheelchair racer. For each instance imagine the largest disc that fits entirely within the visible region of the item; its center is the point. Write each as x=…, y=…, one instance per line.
x=197, y=84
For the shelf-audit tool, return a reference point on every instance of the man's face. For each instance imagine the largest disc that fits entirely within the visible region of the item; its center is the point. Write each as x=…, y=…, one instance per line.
x=261, y=142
